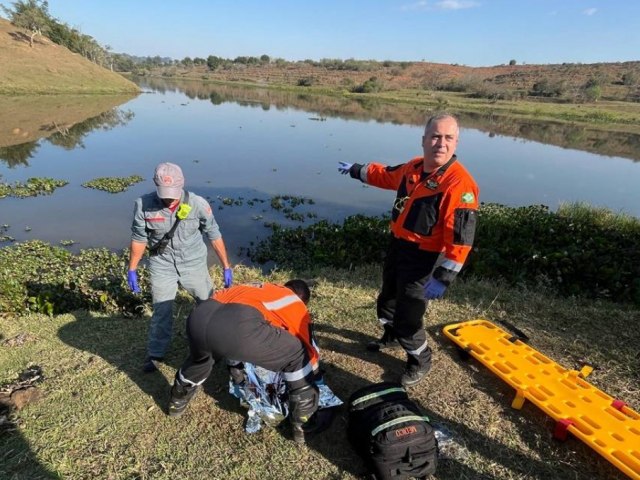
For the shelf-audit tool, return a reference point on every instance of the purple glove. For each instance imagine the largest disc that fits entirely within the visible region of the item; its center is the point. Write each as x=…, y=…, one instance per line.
x=344, y=167
x=132, y=280
x=228, y=277
x=434, y=289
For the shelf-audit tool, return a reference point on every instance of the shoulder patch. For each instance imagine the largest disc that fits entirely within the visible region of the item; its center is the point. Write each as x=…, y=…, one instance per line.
x=468, y=197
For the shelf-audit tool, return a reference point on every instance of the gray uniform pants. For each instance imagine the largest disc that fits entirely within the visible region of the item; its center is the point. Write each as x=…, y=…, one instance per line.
x=166, y=274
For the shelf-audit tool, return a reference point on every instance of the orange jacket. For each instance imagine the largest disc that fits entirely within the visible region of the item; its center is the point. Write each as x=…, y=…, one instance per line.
x=280, y=307
x=437, y=211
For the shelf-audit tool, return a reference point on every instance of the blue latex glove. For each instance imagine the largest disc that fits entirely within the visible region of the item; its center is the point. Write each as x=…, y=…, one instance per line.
x=344, y=167
x=434, y=289
x=228, y=277
x=132, y=280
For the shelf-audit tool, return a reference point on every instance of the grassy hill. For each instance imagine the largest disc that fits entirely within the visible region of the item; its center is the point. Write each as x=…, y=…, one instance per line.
x=557, y=82
x=48, y=68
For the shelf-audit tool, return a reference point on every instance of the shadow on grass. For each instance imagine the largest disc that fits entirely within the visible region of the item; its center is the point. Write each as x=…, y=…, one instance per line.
x=344, y=384
x=532, y=425
x=17, y=460
x=122, y=343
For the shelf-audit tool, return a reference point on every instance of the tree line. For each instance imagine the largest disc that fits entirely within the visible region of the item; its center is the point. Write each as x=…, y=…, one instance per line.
x=34, y=16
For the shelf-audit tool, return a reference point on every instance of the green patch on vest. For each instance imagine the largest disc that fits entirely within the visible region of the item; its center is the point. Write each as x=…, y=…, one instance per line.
x=468, y=197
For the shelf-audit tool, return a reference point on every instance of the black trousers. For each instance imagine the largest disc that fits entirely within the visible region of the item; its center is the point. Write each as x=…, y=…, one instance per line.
x=238, y=332
x=401, y=304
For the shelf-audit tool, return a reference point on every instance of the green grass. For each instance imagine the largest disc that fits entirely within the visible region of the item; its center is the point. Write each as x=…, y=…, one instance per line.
x=101, y=418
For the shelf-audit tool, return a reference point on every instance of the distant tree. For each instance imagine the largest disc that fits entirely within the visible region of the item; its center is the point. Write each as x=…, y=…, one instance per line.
x=512, y=62
x=593, y=82
x=265, y=58
x=306, y=81
x=630, y=79
x=214, y=62
x=32, y=15
x=122, y=62
x=199, y=61
x=108, y=56
x=592, y=93
x=187, y=62
x=547, y=88
x=370, y=86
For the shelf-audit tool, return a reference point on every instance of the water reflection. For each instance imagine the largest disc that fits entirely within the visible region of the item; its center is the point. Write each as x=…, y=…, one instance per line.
x=61, y=120
x=235, y=143
x=565, y=135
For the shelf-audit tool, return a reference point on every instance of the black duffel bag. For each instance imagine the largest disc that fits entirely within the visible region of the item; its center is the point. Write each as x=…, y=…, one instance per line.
x=390, y=433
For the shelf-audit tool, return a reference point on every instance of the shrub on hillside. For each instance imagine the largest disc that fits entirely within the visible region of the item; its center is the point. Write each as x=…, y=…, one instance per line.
x=370, y=86
x=548, y=88
x=306, y=81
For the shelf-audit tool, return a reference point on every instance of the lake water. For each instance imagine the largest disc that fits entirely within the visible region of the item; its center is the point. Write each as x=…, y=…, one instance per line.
x=250, y=145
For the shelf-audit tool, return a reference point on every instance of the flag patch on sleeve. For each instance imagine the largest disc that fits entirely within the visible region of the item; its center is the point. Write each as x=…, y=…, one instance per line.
x=468, y=197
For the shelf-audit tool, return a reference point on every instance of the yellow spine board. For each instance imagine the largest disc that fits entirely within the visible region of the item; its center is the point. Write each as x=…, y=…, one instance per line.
x=605, y=424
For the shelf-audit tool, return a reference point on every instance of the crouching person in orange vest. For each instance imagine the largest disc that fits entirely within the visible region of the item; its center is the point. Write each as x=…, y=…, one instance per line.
x=265, y=324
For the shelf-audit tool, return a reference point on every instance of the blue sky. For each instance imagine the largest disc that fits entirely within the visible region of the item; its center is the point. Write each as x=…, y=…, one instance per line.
x=468, y=32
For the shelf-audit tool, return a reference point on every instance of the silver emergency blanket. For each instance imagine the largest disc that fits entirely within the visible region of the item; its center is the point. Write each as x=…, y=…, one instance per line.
x=263, y=394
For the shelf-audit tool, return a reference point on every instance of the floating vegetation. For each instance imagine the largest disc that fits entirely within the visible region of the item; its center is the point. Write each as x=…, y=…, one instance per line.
x=38, y=277
x=31, y=188
x=3, y=231
x=295, y=216
x=230, y=201
x=253, y=201
x=280, y=202
x=113, y=184
x=284, y=204
x=67, y=243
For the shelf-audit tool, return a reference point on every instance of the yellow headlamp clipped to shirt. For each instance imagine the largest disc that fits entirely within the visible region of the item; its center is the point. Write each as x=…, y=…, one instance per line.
x=183, y=211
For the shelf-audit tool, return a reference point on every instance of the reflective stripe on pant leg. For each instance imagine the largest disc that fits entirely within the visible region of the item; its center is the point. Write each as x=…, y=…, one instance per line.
x=185, y=381
x=408, y=344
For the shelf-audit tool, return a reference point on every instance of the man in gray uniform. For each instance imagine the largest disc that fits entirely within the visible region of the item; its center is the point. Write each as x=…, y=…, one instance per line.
x=171, y=222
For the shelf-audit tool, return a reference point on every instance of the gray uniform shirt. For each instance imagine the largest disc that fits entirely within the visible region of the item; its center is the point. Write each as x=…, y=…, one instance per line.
x=151, y=220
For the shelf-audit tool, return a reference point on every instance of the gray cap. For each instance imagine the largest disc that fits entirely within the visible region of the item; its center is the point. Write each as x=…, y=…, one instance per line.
x=169, y=180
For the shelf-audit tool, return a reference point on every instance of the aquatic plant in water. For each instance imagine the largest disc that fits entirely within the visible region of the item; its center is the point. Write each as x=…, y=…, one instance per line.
x=113, y=184
x=32, y=187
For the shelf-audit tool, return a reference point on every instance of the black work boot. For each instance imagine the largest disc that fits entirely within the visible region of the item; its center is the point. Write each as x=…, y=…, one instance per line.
x=413, y=374
x=181, y=395
x=303, y=403
x=150, y=364
x=387, y=342
x=416, y=368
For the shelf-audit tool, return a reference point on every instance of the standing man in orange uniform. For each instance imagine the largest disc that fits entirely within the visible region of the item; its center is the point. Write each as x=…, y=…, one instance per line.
x=433, y=222
x=267, y=325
